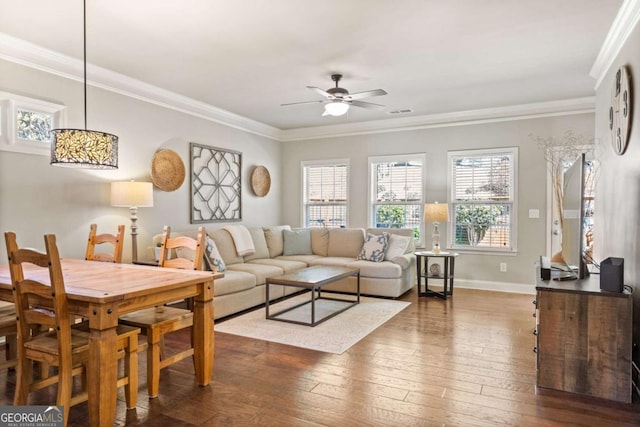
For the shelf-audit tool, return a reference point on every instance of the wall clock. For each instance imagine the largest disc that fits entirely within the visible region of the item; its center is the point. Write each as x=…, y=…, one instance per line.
x=620, y=111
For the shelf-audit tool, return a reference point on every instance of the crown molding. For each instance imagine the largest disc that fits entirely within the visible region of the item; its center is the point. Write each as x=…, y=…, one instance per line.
x=30, y=55
x=460, y=118
x=623, y=24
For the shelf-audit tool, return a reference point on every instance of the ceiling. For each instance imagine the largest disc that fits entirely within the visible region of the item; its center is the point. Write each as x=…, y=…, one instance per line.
x=250, y=56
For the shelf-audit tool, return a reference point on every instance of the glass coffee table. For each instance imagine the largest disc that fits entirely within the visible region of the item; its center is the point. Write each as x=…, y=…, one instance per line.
x=318, y=308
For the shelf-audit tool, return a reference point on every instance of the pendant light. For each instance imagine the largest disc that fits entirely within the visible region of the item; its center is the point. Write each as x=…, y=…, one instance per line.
x=81, y=147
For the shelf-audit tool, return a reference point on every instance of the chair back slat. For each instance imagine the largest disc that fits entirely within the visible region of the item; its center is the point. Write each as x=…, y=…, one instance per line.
x=196, y=245
x=116, y=240
x=31, y=295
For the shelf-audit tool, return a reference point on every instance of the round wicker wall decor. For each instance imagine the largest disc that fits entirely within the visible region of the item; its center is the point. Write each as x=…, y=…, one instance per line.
x=260, y=181
x=167, y=170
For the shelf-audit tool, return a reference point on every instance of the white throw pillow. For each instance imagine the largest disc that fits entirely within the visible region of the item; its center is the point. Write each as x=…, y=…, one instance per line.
x=212, y=257
x=397, y=246
x=375, y=245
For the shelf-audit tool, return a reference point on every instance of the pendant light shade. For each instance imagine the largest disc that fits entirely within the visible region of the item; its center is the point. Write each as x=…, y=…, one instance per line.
x=81, y=147
x=84, y=148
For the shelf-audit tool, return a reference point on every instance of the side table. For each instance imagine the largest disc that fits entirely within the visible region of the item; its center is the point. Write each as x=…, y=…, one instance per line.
x=422, y=269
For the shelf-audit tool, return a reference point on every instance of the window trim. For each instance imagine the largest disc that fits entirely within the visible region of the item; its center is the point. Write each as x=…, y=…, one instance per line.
x=371, y=160
x=512, y=151
x=327, y=162
x=9, y=106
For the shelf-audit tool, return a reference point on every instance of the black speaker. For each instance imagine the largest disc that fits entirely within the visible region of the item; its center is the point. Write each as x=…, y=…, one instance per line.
x=612, y=274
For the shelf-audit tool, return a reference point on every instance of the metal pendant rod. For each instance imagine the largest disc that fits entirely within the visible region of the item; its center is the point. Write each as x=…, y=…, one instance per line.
x=84, y=57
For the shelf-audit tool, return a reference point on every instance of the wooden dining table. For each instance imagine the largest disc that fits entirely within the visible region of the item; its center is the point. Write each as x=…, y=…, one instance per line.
x=101, y=292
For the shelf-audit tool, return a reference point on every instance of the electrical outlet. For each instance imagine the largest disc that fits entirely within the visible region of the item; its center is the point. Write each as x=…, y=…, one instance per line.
x=503, y=267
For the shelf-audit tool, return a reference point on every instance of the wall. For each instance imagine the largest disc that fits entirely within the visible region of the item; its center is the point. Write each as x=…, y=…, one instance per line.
x=617, y=230
x=36, y=198
x=471, y=269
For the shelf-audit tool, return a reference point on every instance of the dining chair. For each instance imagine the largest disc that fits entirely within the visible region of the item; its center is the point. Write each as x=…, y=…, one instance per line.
x=162, y=320
x=62, y=345
x=117, y=240
x=9, y=330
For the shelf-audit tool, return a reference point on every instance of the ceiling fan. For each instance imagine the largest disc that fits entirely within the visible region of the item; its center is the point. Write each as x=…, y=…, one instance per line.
x=338, y=100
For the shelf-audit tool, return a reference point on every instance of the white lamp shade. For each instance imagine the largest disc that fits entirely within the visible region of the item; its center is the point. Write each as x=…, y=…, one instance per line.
x=336, y=108
x=436, y=212
x=132, y=194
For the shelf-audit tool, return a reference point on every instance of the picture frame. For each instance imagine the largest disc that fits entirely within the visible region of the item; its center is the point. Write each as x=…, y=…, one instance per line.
x=216, y=184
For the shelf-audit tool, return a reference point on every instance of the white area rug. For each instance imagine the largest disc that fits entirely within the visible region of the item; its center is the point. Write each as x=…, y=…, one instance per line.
x=335, y=335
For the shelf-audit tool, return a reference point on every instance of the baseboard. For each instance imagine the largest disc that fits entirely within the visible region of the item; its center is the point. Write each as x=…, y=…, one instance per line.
x=484, y=285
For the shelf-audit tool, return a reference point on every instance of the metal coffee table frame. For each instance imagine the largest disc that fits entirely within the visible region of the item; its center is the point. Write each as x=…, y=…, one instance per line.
x=313, y=279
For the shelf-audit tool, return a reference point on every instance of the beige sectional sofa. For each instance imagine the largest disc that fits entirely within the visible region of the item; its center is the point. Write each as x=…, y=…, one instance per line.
x=243, y=285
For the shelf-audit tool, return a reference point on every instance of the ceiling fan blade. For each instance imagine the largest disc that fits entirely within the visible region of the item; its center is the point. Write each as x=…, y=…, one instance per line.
x=366, y=94
x=369, y=105
x=303, y=102
x=321, y=92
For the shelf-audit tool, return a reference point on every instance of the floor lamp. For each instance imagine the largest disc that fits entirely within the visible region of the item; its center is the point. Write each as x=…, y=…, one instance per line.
x=436, y=213
x=132, y=195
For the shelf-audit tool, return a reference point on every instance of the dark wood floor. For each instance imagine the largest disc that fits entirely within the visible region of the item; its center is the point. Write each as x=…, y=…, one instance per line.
x=467, y=361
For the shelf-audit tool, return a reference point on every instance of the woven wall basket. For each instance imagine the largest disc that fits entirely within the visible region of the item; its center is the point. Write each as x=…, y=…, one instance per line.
x=260, y=181
x=167, y=170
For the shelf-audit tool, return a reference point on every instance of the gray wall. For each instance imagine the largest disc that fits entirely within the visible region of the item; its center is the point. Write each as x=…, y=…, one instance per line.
x=475, y=270
x=617, y=230
x=36, y=198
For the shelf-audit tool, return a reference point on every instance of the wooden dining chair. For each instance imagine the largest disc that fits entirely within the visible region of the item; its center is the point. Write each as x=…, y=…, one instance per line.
x=9, y=330
x=116, y=240
x=62, y=346
x=159, y=321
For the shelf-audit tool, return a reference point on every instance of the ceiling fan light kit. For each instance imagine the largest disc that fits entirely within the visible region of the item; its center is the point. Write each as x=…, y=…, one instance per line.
x=338, y=100
x=335, y=108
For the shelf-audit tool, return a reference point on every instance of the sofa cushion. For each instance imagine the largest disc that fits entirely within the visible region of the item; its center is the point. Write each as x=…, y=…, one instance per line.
x=408, y=232
x=259, y=242
x=398, y=245
x=275, y=239
x=345, y=242
x=320, y=241
x=374, y=247
x=284, y=264
x=341, y=261
x=302, y=258
x=226, y=247
x=232, y=282
x=261, y=271
x=383, y=270
x=297, y=242
x=212, y=256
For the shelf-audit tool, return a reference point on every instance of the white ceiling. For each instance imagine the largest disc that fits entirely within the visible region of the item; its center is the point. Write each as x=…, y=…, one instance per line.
x=250, y=56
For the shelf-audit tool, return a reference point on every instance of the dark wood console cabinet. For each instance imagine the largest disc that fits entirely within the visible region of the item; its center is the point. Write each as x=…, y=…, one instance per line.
x=584, y=338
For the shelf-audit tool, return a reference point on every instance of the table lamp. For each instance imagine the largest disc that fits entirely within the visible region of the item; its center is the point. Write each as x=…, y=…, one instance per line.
x=436, y=213
x=132, y=195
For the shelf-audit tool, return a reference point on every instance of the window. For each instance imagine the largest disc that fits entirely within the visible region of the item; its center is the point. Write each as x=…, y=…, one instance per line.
x=483, y=199
x=26, y=123
x=325, y=193
x=397, y=188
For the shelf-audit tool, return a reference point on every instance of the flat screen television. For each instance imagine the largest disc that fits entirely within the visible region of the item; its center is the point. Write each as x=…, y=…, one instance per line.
x=573, y=221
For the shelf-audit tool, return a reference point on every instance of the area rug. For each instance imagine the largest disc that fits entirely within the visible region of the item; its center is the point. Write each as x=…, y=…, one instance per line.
x=336, y=335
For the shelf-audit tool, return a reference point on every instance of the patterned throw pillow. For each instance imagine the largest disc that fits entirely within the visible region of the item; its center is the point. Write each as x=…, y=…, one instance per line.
x=212, y=257
x=374, y=247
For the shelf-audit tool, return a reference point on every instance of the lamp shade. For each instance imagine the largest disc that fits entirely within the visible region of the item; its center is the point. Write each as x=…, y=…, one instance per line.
x=84, y=148
x=436, y=212
x=132, y=194
x=336, y=108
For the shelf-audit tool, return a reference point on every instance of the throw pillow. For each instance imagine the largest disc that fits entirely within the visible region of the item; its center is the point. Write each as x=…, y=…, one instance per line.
x=212, y=257
x=374, y=247
x=397, y=246
x=297, y=242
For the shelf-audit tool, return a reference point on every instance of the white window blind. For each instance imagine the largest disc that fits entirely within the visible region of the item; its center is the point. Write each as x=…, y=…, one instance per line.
x=397, y=188
x=325, y=194
x=483, y=199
